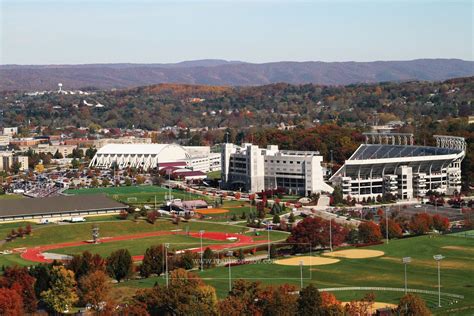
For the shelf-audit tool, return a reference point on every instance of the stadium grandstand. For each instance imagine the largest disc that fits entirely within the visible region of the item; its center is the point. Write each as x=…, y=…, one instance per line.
x=390, y=163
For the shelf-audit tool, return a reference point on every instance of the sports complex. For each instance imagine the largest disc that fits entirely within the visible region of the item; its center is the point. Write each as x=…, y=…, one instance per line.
x=348, y=273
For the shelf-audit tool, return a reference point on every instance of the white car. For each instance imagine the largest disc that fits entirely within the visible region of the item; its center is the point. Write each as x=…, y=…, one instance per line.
x=418, y=206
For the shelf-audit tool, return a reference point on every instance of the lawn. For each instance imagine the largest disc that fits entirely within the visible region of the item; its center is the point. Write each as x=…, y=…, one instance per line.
x=138, y=194
x=11, y=196
x=457, y=272
x=138, y=246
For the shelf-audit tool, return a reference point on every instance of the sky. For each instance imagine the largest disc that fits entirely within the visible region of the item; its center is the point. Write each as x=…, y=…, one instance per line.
x=146, y=31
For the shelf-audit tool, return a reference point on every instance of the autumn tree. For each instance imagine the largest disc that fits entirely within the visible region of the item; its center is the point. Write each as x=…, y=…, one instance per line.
x=440, y=223
x=119, y=264
x=314, y=231
x=208, y=257
x=61, y=294
x=394, y=229
x=94, y=288
x=185, y=295
x=411, y=304
x=282, y=301
x=24, y=283
x=11, y=303
x=152, y=262
x=421, y=223
x=369, y=232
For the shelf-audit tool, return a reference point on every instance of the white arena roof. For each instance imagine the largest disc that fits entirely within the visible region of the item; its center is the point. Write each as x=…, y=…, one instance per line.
x=134, y=149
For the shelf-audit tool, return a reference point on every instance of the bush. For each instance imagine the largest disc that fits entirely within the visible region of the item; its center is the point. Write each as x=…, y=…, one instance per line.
x=123, y=215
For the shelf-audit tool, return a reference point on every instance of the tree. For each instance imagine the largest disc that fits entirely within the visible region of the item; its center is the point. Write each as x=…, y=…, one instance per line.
x=75, y=163
x=62, y=290
x=394, y=229
x=85, y=263
x=94, y=288
x=337, y=197
x=120, y=264
x=310, y=301
x=411, y=304
x=208, y=257
x=440, y=223
x=282, y=301
x=291, y=218
x=58, y=155
x=276, y=219
x=21, y=279
x=152, y=216
x=152, y=261
x=11, y=302
x=314, y=231
x=421, y=223
x=273, y=251
x=187, y=260
x=28, y=229
x=185, y=295
x=123, y=214
x=261, y=210
x=39, y=168
x=369, y=232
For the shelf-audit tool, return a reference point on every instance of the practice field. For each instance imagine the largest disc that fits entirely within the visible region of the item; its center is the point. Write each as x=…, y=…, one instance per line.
x=457, y=273
x=306, y=261
x=143, y=194
x=355, y=253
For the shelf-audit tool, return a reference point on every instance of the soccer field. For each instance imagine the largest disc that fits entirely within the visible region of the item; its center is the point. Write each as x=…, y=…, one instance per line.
x=138, y=194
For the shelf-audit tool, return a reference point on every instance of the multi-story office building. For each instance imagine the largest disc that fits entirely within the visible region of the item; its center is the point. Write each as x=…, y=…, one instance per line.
x=391, y=163
x=254, y=169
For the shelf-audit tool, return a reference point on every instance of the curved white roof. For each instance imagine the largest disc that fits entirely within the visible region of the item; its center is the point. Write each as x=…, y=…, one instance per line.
x=135, y=149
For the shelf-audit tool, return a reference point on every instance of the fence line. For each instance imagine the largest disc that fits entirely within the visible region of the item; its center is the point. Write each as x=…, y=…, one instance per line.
x=393, y=289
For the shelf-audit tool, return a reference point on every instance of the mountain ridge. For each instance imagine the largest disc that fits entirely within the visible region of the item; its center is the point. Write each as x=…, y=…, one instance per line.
x=228, y=73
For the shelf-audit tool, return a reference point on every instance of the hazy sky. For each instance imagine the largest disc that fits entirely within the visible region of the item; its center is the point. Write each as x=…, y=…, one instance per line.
x=145, y=31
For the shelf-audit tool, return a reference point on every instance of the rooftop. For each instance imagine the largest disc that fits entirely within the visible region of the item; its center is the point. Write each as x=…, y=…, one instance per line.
x=58, y=204
x=377, y=151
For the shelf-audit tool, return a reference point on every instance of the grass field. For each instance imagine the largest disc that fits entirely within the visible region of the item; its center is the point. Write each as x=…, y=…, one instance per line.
x=11, y=196
x=457, y=273
x=137, y=194
x=138, y=246
x=58, y=233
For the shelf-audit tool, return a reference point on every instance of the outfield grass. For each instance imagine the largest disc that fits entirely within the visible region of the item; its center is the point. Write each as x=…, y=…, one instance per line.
x=138, y=194
x=457, y=272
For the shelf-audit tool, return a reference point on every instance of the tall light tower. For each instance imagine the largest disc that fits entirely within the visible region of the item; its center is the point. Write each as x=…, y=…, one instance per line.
x=438, y=258
x=406, y=261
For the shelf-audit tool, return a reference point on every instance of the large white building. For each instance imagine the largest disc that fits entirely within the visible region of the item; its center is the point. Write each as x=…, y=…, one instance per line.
x=7, y=159
x=197, y=158
x=254, y=169
x=390, y=163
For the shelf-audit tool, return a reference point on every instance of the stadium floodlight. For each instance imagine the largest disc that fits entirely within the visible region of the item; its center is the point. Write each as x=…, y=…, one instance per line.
x=406, y=261
x=438, y=259
x=201, y=232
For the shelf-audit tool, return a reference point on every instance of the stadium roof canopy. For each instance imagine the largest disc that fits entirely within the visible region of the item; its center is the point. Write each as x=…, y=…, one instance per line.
x=138, y=149
x=378, y=151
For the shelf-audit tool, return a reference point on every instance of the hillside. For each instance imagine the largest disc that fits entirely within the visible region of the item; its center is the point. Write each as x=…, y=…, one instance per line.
x=220, y=72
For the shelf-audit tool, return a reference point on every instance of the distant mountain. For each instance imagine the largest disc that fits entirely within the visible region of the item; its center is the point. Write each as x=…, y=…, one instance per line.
x=231, y=73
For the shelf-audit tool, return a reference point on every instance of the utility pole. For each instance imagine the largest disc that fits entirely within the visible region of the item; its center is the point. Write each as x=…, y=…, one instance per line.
x=406, y=261
x=167, y=245
x=438, y=258
x=330, y=234
x=386, y=223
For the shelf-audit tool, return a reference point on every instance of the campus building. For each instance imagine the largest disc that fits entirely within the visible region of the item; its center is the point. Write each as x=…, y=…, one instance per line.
x=195, y=158
x=254, y=169
x=7, y=159
x=390, y=163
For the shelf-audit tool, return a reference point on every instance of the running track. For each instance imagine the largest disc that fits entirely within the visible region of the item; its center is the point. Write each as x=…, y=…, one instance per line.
x=35, y=254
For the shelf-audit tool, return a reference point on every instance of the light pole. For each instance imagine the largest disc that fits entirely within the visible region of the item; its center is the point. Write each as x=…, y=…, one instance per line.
x=229, y=254
x=386, y=222
x=438, y=258
x=201, y=232
x=406, y=261
x=268, y=240
x=167, y=245
x=330, y=234
x=301, y=275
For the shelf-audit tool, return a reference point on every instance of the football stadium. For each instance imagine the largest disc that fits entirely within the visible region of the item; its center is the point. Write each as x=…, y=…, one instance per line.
x=390, y=163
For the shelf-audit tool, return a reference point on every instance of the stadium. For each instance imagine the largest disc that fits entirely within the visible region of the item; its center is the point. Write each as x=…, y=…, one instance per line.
x=390, y=163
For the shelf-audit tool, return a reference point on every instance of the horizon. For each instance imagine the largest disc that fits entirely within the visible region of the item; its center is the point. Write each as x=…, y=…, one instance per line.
x=144, y=32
